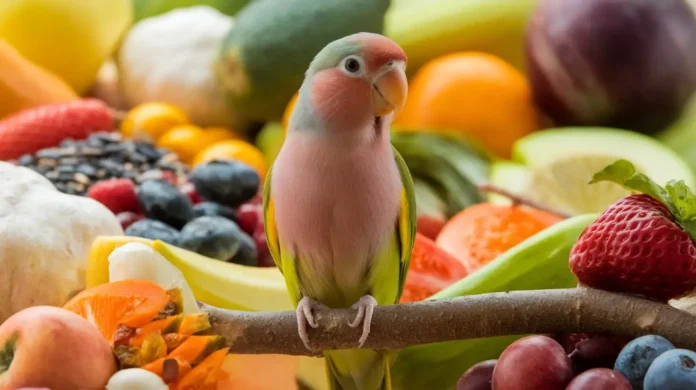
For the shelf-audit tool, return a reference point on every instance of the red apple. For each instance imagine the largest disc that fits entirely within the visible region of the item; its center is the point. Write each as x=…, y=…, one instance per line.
x=45, y=346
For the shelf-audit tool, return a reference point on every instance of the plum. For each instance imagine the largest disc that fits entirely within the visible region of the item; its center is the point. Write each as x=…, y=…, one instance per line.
x=615, y=63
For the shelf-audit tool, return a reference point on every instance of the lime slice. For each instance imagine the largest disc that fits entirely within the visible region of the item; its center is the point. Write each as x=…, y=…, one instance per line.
x=554, y=167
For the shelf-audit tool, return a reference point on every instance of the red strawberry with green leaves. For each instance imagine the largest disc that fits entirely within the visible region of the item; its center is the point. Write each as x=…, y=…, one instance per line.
x=46, y=126
x=642, y=244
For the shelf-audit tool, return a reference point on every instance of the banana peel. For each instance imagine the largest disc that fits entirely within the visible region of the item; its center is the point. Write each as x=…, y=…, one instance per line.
x=540, y=262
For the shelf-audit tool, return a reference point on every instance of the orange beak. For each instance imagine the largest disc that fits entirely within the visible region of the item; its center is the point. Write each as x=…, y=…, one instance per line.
x=389, y=89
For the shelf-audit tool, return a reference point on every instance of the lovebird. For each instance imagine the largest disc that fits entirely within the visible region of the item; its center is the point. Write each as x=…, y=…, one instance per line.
x=339, y=204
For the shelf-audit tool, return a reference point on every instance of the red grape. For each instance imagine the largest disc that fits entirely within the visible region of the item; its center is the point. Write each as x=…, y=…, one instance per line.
x=249, y=216
x=189, y=190
x=600, y=379
x=588, y=351
x=127, y=218
x=264, y=259
x=533, y=363
x=478, y=377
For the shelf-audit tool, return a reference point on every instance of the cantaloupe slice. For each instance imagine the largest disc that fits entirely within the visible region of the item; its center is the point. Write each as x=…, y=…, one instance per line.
x=164, y=326
x=206, y=375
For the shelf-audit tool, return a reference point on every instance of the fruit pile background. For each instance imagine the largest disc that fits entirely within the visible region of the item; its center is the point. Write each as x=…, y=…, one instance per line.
x=136, y=135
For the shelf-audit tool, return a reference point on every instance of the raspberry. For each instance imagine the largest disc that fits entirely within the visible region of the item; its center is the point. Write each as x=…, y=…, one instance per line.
x=118, y=195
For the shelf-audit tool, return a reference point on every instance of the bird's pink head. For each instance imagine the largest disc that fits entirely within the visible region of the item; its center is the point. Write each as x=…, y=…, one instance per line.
x=354, y=80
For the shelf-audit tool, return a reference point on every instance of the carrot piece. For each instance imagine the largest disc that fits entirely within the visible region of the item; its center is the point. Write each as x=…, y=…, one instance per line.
x=132, y=303
x=162, y=368
x=206, y=375
x=164, y=326
x=196, y=348
x=194, y=323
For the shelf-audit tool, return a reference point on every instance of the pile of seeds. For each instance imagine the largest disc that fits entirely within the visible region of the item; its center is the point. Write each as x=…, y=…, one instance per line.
x=74, y=166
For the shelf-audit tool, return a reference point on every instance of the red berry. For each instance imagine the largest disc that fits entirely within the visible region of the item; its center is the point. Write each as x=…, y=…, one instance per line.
x=249, y=216
x=636, y=247
x=189, y=190
x=46, y=126
x=264, y=254
x=117, y=195
x=127, y=218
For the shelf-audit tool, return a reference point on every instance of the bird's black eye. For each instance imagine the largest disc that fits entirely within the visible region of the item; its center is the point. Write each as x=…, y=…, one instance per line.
x=352, y=65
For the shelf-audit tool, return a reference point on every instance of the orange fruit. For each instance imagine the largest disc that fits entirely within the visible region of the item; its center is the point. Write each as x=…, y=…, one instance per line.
x=474, y=94
x=480, y=233
x=189, y=140
x=132, y=303
x=234, y=150
x=149, y=121
x=430, y=271
x=288, y=111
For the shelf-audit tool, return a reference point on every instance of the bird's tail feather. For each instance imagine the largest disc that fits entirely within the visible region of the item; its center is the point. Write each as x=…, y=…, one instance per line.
x=358, y=370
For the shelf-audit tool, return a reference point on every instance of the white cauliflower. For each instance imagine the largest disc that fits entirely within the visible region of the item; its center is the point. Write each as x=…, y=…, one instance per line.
x=45, y=238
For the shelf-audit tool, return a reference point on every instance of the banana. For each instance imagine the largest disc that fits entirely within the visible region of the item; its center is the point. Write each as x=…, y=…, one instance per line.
x=540, y=262
x=225, y=285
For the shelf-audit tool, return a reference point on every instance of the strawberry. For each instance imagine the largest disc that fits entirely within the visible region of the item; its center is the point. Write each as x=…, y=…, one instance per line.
x=46, y=126
x=118, y=195
x=642, y=244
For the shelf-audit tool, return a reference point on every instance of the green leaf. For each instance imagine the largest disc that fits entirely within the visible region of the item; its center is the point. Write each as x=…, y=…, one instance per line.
x=684, y=201
x=676, y=195
x=623, y=172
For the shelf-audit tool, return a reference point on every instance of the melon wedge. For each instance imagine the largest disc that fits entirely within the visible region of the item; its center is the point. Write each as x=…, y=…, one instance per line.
x=555, y=166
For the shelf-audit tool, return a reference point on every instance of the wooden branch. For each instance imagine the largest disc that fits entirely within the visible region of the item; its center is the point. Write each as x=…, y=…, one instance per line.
x=486, y=315
x=520, y=200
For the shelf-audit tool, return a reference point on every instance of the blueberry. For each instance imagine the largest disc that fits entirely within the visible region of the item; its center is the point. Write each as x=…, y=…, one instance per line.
x=247, y=253
x=153, y=230
x=673, y=370
x=212, y=209
x=230, y=183
x=212, y=236
x=635, y=358
x=162, y=201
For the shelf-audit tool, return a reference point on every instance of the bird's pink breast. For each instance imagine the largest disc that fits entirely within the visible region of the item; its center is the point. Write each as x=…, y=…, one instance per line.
x=335, y=208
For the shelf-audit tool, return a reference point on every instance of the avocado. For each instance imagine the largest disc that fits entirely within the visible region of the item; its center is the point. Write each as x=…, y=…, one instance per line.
x=264, y=57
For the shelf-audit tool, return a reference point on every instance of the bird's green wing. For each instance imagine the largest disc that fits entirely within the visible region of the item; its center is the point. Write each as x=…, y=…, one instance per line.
x=282, y=257
x=406, y=224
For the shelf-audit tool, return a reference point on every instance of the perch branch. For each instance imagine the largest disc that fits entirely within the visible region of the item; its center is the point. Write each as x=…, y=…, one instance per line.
x=475, y=316
x=520, y=200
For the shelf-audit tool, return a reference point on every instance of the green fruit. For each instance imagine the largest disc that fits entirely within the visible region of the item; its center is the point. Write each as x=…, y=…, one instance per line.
x=147, y=8
x=540, y=262
x=264, y=57
x=433, y=28
x=269, y=141
x=554, y=166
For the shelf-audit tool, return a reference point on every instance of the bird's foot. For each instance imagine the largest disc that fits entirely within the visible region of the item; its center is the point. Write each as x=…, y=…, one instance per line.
x=305, y=315
x=366, y=306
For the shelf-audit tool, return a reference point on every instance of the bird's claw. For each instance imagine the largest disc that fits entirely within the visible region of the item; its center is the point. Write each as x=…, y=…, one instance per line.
x=366, y=307
x=305, y=316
